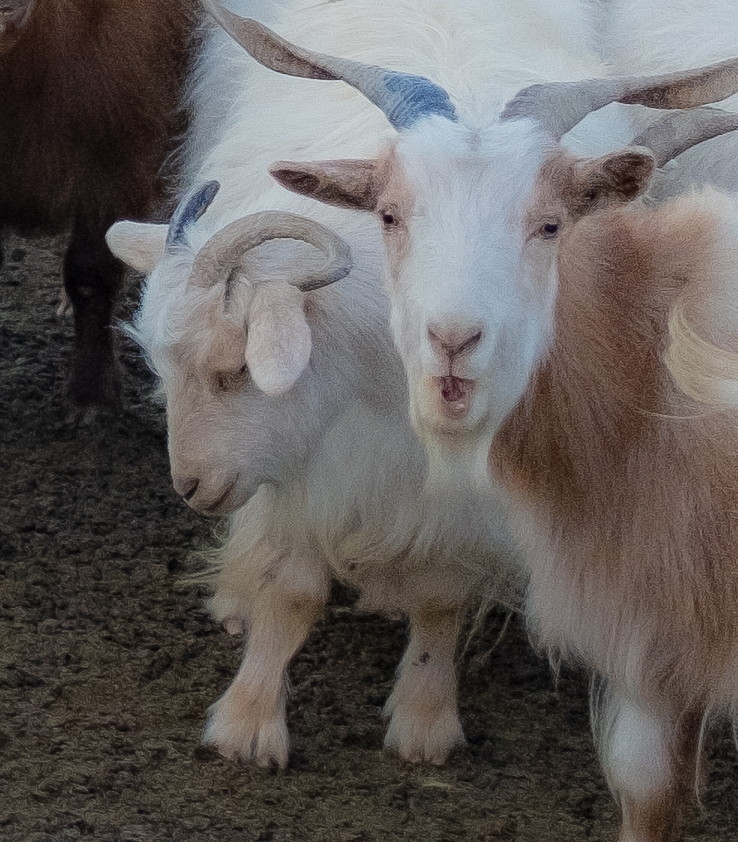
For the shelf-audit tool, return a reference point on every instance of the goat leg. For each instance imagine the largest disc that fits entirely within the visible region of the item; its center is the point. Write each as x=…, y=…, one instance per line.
x=650, y=760
x=424, y=721
x=92, y=281
x=248, y=721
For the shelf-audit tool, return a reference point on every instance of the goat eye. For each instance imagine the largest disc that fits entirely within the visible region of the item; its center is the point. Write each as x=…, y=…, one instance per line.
x=548, y=230
x=230, y=381
x=389, y=219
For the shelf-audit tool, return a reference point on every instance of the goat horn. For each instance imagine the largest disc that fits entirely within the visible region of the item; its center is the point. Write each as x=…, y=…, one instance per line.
x=403, y=98
x=559, y=106
x=682, y=130
x=190, y=208
x=224, y=251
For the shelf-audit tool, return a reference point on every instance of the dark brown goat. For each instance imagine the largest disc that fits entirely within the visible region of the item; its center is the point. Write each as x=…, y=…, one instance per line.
x=90, y=104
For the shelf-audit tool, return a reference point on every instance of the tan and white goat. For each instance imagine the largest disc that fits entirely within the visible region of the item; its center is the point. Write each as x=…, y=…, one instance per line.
x=625, y=496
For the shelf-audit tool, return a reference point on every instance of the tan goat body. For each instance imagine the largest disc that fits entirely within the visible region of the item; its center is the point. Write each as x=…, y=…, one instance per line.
x=626, y=493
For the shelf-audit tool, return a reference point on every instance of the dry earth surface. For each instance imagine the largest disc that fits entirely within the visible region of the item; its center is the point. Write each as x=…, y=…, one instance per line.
x=108, y=661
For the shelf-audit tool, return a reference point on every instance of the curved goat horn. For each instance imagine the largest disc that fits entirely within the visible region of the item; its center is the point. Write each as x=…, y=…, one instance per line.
x=675, y=133
x=224, y=251
x=559, y=106
x=402, y=97
x=190, y=208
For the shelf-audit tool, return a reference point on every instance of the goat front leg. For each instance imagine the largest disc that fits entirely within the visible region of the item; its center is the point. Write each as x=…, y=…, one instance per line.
x=424, y=720
x=92, y=280
x=650, y=761
x=249, y=720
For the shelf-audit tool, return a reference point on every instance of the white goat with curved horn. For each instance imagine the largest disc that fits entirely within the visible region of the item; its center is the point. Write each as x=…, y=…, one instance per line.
x=287, y=411
x=335, y=447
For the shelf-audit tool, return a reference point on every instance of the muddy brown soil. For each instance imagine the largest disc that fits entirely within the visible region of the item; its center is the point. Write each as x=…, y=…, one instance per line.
x=108, y=661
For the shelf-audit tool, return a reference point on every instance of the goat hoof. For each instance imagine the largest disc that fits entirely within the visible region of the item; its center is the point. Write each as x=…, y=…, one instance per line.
x=238, y=733
x=424, y=739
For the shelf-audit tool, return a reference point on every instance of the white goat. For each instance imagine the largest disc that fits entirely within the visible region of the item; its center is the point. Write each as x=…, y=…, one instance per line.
x=307, y=445
x=550, y=365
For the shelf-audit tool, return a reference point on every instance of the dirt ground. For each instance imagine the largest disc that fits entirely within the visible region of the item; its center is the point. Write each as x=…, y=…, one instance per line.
x=108, y=662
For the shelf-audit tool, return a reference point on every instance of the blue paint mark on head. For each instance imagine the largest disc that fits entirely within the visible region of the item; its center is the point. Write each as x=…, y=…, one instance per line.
x=191, y=207
x=416, y=97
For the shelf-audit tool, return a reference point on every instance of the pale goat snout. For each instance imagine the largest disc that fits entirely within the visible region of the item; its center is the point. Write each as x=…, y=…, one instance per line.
x=204, y=489
x=452, y=341
x=206, y=501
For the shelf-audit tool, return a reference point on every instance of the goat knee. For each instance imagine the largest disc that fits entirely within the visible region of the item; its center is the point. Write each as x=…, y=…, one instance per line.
x=649, y=760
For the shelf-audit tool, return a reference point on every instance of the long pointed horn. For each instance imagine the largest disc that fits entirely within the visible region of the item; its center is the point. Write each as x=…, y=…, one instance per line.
x=224, y=251
x=682, y=130
x=190, y=208
x=402, y=97
x=559, y=106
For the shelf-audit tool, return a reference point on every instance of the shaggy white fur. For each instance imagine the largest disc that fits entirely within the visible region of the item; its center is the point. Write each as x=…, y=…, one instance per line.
x=338, y=478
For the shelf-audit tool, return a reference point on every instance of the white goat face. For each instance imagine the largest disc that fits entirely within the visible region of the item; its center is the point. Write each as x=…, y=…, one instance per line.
x=232, y=358
x=471, y=287
x=472, y=221
x=238, y=412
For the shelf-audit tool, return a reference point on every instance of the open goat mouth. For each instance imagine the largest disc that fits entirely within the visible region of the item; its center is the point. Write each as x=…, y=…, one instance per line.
x=456, y=395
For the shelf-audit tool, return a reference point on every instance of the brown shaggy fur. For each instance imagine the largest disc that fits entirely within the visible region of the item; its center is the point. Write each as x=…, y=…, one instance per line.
x=91, y=105
x=637, y=484
x=628, y=489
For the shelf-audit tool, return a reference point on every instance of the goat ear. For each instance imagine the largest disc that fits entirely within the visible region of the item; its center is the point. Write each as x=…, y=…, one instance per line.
x=278, y=342
x=347, y=184
x=139, y=245
x=617, y=177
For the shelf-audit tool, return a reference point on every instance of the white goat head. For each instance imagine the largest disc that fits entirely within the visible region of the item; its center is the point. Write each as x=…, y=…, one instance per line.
x=232, y=349
x=472, y=215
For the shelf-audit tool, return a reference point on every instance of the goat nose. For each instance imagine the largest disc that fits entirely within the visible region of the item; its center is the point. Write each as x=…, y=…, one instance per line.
x=453, y=341
x=185, y=486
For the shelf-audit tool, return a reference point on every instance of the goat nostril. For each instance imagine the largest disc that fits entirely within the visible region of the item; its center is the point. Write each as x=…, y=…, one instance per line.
x=186, y=487
x=454, y=342
x=469, y=343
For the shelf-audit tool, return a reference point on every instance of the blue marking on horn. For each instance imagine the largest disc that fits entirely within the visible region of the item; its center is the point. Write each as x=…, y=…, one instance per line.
x=416, y=97
x=191, y=207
